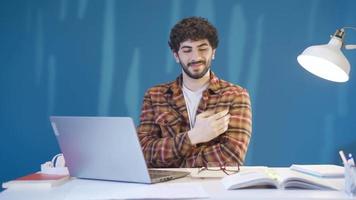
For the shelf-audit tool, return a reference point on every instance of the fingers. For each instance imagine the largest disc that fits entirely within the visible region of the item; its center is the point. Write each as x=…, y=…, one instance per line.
x=209, y=126
x=221, y=125
x=205, y=114
x=222, y=130
x=222, y=120
x=225, y=121
x=219, y=115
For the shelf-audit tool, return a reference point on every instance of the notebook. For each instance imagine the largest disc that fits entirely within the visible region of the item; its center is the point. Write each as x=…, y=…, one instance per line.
x=105, y=148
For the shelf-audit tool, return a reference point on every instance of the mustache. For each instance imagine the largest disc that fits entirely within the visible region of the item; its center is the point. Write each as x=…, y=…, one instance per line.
x=196, y=62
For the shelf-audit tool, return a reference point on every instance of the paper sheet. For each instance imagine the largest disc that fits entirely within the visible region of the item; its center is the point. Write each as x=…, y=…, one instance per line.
x=93, y=190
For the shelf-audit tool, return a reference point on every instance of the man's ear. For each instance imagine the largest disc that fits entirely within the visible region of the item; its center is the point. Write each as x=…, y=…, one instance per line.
x=175, y=54
x=213, y=55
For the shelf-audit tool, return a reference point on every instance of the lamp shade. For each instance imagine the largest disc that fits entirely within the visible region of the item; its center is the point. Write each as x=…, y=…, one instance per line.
x=326, y=61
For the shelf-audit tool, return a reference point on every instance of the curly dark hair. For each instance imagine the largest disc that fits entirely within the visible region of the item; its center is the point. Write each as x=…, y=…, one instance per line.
x=193, y=28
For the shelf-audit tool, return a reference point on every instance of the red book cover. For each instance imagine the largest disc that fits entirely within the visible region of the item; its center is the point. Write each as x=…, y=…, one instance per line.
x=41, y=176
x=40, y=180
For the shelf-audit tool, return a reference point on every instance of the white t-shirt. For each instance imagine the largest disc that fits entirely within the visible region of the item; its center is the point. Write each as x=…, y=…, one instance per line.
x=192, y=99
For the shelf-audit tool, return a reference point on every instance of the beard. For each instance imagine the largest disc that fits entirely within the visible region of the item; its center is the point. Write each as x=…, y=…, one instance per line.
x=185, y=68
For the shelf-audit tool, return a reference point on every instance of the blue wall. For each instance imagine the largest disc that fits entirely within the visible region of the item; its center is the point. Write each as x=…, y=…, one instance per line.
x=80, y=57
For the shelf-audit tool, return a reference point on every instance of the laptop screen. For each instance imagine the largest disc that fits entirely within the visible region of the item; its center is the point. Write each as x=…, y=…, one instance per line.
x=104, y=148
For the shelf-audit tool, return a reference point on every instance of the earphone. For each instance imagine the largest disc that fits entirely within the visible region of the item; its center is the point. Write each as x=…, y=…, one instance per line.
x=55, y=166
x=58, y=160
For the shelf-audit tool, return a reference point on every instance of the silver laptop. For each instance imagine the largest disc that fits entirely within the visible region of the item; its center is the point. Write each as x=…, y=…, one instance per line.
x=105, y=148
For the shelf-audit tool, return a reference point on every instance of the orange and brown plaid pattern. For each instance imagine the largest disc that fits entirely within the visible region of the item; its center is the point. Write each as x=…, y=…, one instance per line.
x=164, y=125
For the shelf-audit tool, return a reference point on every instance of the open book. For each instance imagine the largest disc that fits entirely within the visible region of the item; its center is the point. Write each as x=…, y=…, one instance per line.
x=284, y=179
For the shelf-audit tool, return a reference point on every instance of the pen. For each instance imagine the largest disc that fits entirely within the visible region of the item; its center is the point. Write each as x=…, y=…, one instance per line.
x=343, y=158
x=351, y=160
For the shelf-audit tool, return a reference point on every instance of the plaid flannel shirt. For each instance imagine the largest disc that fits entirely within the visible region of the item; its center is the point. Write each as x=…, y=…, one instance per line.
x=164, y=125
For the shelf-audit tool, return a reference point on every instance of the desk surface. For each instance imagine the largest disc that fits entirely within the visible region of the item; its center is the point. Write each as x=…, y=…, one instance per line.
x=212, y=187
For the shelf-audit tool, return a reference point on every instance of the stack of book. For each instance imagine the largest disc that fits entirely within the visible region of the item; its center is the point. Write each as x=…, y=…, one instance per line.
x=37, y=180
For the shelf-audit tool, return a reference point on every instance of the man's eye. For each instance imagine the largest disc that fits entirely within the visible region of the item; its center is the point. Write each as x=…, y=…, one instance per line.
x=186, y=51
x=203, y=49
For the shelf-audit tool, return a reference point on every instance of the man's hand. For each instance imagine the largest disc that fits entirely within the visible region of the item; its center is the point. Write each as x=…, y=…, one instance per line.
x=209, y=126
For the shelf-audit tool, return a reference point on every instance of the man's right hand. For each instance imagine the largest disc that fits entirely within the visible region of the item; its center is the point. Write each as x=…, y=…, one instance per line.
x=209, y=126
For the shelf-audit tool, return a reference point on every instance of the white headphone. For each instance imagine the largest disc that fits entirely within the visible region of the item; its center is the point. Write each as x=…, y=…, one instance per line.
x=56, y=166
x=58, y=161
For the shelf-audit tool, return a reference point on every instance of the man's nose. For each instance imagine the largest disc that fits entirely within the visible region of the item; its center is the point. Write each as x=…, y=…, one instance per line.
x=196, y=56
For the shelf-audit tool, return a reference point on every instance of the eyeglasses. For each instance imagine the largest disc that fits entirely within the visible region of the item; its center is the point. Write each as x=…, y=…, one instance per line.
x=228, y=169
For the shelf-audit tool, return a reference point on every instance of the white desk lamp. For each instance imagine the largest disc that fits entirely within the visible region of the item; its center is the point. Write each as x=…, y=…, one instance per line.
x=327, y=61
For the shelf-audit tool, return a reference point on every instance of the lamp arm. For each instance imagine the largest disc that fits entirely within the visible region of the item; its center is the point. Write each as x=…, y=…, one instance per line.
x=349, y=27
x=350, y=46
x=341, y=33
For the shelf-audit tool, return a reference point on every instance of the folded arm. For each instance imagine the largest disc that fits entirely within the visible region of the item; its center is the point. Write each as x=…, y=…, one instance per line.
x=229, y=147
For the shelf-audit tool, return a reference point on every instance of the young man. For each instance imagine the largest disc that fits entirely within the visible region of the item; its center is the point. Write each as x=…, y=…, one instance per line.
x=197, y=120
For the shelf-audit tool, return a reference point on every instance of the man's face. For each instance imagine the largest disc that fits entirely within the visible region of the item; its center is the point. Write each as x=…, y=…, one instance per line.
x=195, y=57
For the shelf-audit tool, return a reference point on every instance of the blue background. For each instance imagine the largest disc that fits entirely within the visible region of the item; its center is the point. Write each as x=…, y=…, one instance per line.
x=80, y=57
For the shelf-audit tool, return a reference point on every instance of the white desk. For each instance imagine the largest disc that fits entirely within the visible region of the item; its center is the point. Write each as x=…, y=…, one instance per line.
x=212, y=187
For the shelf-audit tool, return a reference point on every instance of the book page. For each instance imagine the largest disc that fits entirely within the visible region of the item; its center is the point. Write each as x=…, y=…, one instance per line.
x=291, y=179
x=258, y=178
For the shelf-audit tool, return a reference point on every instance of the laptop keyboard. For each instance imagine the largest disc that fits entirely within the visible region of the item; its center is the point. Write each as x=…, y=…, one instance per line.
x=158, y=173
x=161, y=173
